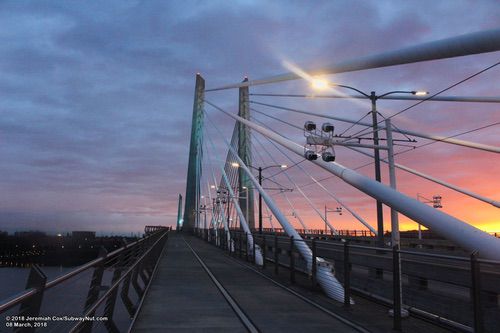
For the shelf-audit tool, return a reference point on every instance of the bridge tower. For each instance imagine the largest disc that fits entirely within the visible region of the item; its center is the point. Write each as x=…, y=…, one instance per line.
x=192, y=199
x=245, y=153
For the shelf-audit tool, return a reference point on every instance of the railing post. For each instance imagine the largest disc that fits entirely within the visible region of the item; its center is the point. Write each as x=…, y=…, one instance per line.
x=109, y=308
x=246, y=247
x=31, y=306
x=94, y=289
x=135, y=274
x=263, y=248
x=126, y=286
x=253, y=249
x=240, y=244
x=292, y=262
x=313, y=265
x=475, y=271
x=396, y=288
x=347, y=276
x=276, y=264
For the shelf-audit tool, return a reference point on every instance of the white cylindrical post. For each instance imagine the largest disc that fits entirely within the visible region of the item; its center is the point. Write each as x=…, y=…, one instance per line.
x=392, y=180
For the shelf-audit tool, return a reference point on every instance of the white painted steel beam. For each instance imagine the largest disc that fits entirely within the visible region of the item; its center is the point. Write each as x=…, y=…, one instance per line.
x=467, y=44
x=437, y=181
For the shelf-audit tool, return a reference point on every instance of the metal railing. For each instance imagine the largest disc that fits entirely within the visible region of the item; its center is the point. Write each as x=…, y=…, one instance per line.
x=112, y=274
x=320, y=232
x=458, y=292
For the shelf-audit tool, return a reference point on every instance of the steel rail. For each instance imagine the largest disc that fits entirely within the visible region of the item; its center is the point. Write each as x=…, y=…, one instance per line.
x=247, y=322
x=463, y=45
x=340, y=318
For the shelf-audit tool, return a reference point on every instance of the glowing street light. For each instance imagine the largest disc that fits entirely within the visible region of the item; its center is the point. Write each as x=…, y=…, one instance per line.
x=420, y=93
x=321, y=84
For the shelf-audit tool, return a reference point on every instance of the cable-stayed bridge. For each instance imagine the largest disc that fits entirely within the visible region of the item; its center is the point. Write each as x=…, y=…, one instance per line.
x=253, y=254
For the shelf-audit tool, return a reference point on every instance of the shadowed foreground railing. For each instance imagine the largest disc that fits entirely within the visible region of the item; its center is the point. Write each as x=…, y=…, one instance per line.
x=105, y=277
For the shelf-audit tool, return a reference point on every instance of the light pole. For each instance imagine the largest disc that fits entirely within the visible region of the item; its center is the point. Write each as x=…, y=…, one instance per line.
x=260, y=169
x=373, y=97
x=336, y=210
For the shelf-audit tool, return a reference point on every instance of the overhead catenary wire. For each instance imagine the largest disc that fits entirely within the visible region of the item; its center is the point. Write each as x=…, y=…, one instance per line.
x=325, y=277
x=340, y=202
x=412, y=149
x=439, y=138
x=281, y=192
x=308, y=200
x=435, y=180
x=243, y=223
x=462, y=233
x=433, y=95
x=221, y=212
x=415, y=172
x=469, y=99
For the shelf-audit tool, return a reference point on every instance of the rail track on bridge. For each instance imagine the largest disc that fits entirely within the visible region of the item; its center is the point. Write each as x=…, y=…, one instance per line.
x=199, y=286
x=239, y=309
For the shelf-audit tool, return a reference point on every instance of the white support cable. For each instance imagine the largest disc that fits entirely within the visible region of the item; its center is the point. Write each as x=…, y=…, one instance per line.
x=212, y=220
x=467, y=44
x=471, y=194
x=295, y=213
x=353, y=213
x=325, y=277
x=439, y=138
x=282, y=193
x=243, y=223
x=221, y=210
x=323, y=217
x=460, y=232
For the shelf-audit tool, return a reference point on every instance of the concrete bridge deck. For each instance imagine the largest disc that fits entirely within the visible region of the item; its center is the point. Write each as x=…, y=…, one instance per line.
x=184, y=298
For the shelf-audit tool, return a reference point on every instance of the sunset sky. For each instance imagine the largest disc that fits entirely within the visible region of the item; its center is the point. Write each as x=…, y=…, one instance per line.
x=96, y=101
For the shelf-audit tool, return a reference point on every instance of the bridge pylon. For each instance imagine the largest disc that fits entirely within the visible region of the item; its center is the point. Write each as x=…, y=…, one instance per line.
x=245, y=153
x=192, y=198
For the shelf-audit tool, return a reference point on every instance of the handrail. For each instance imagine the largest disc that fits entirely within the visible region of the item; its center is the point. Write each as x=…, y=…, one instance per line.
x=16, y=299
x=24, y=295
x=92, y=263
x=117, y=283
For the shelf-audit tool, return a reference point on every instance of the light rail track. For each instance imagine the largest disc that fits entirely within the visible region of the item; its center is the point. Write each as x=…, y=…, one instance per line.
x=245, y=319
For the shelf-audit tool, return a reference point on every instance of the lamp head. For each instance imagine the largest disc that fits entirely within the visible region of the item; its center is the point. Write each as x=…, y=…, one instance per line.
x=420, y=93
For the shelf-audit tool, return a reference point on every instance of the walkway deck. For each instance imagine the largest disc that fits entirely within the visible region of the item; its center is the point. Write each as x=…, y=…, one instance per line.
x=183, y=298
